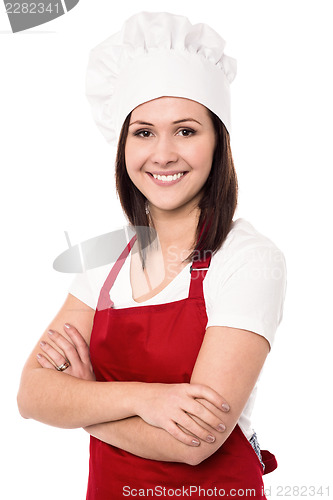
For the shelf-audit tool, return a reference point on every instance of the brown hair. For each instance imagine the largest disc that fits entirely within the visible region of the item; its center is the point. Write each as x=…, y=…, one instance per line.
x=217, y=205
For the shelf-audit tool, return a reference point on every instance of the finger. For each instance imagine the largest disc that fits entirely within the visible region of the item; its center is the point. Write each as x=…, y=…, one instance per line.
x=79, y=342
x=45, y=363
x=173, y=429
x=66, y=346
x=199, y=410
x=195, y=428
x=203, y=391
x=54, y=355
x=219, y=413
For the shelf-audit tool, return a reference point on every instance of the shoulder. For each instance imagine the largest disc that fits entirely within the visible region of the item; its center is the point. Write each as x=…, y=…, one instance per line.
x=246, y=282
x=244, y=236
x=243, y=245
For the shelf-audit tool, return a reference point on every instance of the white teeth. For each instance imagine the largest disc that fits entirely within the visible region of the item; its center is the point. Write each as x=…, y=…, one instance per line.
x=168, y=178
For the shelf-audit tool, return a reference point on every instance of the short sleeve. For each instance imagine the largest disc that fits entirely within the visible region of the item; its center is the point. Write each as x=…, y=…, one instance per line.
x=81, y=287
x=248, y=290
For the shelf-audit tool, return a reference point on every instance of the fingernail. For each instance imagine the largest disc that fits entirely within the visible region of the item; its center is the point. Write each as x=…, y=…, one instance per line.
x=39, y=356
x=42, y=343
x=66, y=325
x=221, y=427
x=195, y=442
x=210, y=438
x=50, y=332
x=225, y=407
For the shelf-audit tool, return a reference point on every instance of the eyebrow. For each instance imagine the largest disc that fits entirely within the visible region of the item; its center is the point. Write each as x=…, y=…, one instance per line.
x=139, y=122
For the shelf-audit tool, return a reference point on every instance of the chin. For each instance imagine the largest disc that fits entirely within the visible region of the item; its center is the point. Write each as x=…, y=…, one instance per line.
x=170, y=207
x=166, y=208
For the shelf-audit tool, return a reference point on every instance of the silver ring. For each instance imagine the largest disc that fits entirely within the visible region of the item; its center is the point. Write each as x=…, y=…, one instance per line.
x=63, y=367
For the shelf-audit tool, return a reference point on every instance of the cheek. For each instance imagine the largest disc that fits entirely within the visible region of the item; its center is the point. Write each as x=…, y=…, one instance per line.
x=134, y=158
x=130, y=161
x=202, y=157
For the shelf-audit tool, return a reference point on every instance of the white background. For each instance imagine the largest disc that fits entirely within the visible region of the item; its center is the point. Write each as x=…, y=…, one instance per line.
x=57, y=175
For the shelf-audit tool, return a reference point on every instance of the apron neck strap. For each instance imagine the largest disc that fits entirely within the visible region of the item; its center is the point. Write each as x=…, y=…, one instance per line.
x=104, y=301
x=198, y=272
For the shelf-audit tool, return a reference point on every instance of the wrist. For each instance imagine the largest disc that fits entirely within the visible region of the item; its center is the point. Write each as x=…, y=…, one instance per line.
x=139, y=393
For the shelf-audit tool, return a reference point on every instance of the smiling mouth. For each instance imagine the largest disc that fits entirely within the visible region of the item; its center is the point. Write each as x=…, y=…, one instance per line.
x=167, y=178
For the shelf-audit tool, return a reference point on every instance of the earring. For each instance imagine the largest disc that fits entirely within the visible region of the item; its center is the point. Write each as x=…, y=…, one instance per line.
x=147, y=208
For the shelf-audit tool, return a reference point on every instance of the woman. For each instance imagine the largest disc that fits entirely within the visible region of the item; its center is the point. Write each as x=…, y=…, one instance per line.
x=162, y=371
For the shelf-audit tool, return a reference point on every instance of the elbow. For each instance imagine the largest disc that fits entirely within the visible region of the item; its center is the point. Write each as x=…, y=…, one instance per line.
x=194, y=459
x=22, y=404
x=26, y=396
x=21, y=408
x=195, y=455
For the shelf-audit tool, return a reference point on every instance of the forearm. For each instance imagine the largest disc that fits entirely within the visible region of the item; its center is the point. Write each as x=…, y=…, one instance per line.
x=147, y=441
x=144, y=440
x=61, y=400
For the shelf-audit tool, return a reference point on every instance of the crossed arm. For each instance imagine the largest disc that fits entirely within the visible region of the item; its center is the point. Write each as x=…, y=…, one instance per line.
x=229, y=361
x=142, y=418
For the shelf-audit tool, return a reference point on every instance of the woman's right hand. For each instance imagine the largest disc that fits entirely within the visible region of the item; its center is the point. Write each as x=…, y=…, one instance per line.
x=171, y=407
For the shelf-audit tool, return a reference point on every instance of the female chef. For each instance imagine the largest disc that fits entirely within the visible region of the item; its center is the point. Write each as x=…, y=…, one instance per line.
x=157, y=356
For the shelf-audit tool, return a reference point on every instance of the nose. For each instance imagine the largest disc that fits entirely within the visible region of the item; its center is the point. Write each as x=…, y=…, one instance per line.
x=164, y=152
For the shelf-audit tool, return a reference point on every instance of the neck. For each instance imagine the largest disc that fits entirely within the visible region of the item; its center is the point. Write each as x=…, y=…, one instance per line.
x=176, y=229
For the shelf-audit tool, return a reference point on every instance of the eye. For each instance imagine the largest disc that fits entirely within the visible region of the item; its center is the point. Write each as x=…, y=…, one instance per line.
x=186, y=132
x=143, y=133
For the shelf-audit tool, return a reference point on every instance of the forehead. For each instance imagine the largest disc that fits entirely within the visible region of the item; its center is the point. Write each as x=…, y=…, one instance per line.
x=170, y=108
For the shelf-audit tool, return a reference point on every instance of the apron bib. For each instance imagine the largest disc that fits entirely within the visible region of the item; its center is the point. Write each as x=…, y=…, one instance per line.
x=160, y=343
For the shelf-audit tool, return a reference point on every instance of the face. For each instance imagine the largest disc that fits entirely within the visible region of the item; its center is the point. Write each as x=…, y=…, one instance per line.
x=169, y=152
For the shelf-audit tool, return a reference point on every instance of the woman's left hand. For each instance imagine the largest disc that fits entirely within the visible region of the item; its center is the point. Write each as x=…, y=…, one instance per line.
x=75, y=351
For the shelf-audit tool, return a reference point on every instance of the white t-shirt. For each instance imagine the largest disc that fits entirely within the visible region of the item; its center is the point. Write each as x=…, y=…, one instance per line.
x=244, y=288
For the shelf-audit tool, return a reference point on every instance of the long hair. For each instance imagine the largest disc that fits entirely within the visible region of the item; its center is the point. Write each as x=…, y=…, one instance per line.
x=217, y=204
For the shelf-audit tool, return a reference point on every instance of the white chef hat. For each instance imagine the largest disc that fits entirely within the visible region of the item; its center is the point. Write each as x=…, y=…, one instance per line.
x=157, y=54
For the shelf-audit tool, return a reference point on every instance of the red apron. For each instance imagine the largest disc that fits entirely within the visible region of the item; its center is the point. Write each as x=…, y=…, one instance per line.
x=160, y=343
